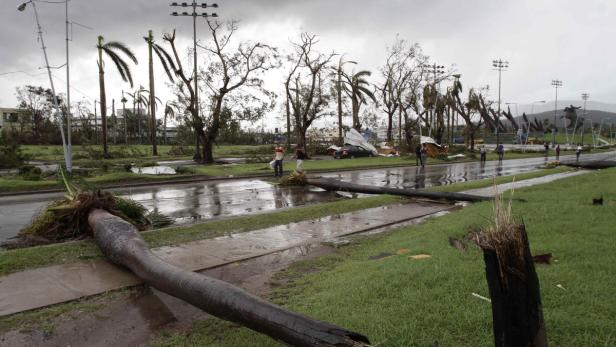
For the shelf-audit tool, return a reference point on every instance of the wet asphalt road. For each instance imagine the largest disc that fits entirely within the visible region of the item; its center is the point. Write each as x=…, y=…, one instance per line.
x=187, y=203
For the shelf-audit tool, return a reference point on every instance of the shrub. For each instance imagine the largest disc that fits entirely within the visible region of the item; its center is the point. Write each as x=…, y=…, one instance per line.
x=11, y=155
x=181, y=170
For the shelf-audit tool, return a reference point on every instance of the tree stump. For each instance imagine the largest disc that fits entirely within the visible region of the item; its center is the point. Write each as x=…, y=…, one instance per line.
x=514, y=289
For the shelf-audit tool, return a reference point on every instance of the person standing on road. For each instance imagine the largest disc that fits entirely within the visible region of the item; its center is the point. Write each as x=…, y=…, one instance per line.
x=278, y=157
x=500, y=150
x=558, y=152
x=482, y=154
x=546, y=147
x=300, y=155
x=578, y=151
x=418, y=155
x=424, y=155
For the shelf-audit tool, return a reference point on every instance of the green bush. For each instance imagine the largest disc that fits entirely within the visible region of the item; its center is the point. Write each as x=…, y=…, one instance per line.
x=182, y=170
x=11, y=155
x=30, y=172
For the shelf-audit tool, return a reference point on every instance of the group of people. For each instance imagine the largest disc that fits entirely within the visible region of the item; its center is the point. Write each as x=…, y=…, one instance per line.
x=300, y=156
x=421, y=156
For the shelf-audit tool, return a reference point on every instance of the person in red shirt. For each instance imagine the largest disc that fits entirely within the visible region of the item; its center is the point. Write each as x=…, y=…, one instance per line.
x=278, y=157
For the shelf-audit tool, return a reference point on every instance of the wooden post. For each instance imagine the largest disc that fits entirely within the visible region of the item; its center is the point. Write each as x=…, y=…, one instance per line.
x=514, y=290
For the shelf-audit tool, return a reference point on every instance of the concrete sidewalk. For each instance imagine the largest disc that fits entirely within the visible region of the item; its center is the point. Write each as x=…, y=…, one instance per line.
x=36, y=288
x=489, y=191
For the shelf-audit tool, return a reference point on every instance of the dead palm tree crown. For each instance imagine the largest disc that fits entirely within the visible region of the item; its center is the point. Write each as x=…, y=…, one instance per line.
x=112, y=49
x=356, y=87
x=168, y=65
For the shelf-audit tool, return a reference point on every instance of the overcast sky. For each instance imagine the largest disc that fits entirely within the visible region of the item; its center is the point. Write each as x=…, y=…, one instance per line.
x=542, y=39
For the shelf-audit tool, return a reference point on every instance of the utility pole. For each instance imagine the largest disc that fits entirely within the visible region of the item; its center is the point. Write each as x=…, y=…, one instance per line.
x=69, y=148
x=95, y=125
x=556, y=84
x=21, y=8
x=115, y=122
x=585, y=97
x=499, y=65
x=194, y=16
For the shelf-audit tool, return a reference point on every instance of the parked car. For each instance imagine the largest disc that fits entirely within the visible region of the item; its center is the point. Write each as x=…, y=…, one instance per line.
x=352, y=152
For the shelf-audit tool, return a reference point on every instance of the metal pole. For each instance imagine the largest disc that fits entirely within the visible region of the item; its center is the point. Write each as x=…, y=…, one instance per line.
x=69, y=164
x=555, y=111
x=53, y=89
x=500, y=69
x=194, y=14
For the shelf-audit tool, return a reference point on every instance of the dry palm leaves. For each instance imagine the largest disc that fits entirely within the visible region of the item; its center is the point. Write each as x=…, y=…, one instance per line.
x=67, y=219
x=506, y=237
x=296, y=178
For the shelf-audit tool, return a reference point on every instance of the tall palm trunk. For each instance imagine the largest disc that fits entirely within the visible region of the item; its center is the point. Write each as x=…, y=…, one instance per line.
x=103, y=101
x=355, y=109
x=152, y=96
x=339, y=90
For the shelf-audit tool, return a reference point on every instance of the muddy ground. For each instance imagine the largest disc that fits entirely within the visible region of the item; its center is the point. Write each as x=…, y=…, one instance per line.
x=138, y=316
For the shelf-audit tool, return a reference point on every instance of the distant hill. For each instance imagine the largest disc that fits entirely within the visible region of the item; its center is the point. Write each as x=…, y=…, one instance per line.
x=594, y=115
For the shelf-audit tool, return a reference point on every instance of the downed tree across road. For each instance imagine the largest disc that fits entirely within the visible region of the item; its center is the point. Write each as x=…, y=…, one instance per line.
x=331, y=184
x=122, y=244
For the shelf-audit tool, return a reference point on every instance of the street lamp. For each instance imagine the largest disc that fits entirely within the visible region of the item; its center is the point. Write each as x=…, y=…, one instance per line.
x=123, y=101
x=435, y=70
x=194, y=15
x=21, y=8
x=532, y=105
x=556, y=84
x=499, y=65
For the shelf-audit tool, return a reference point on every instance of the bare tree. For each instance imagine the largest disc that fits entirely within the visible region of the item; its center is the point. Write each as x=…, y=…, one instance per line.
x=305, y=87
x=467, y=110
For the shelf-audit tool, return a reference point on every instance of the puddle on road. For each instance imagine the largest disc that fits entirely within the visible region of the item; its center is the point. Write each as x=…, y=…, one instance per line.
x=154, y=170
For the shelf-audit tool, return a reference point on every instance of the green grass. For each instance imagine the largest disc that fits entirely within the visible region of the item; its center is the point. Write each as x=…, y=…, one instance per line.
x=20, y=259
x=54, y=152
x=398, y=301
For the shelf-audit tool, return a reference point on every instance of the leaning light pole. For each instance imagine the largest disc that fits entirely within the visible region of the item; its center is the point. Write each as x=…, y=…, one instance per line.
x=556, y=84
x=21, y=8
x=194, y=15
x=499, y=65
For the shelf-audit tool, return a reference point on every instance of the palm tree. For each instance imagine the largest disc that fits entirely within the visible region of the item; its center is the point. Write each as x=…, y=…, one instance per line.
x=339, y=74
x=170, y=111
x=138, y=99
x=167, y=63
x=112, y=50
x=356, y=87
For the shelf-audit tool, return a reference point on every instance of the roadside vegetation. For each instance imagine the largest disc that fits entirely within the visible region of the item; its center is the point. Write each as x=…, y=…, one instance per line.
x=397, y=300
x=116, y=172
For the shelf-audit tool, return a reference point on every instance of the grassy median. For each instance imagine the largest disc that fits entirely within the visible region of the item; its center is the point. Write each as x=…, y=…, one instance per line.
x=400, y=301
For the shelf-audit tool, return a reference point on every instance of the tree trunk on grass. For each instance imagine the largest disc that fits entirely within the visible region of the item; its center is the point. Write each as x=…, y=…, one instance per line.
x=330, y=184
x=514, y=289
x=123, y=245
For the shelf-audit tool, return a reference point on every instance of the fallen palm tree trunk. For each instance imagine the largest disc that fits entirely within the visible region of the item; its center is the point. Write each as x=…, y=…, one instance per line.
x=330, y=184
x=122, y=244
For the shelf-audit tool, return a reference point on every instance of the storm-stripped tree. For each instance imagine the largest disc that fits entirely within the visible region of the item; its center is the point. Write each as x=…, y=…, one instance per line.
x=467, y=110
x=339, y=72
x=112, y=49
x=167, y=62
x=232, y=78
x=402, y=75
x=305, y=85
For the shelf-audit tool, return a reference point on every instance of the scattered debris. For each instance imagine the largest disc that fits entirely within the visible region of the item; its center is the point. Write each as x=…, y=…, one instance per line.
x=420, y=256
x=402, y=251
x=457, y=244
x=597, y=201
x=380, y=256
x=481, y=297
x=545, y=258
x=561, y=287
